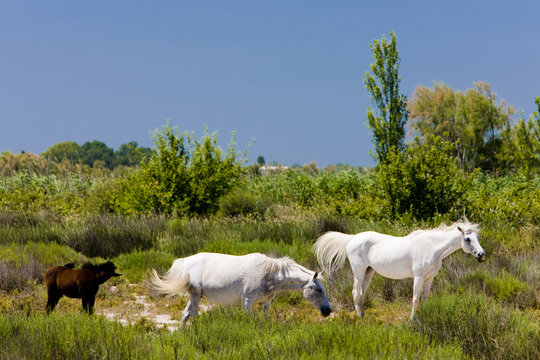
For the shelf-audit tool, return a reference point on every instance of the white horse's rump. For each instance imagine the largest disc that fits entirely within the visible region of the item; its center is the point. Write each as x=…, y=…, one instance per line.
x=418, y=255
x=228, y=279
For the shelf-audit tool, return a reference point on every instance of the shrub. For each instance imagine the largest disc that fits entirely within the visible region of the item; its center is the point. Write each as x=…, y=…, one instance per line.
x=239, y=202
x=482, y=328
x=424, y=181
x=183, y=176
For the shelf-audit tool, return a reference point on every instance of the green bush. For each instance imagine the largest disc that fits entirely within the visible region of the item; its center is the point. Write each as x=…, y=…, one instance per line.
x=424, y=181
x=183, y=176
x=240, y=202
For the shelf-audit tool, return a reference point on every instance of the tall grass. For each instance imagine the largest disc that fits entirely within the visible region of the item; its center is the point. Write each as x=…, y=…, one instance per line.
x=222, y=333
x=483, y=329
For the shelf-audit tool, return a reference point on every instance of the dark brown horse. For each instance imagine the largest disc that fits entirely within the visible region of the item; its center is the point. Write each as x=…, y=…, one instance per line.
x=81, y=283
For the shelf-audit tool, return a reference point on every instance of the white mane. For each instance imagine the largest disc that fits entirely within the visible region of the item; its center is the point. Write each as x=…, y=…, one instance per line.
x=273, y=265
x=465, y=226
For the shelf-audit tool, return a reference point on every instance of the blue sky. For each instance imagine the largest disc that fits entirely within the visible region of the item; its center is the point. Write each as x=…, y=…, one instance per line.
x=285, y=73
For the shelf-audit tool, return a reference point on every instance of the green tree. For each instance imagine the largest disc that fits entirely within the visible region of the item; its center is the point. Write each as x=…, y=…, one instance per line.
x=388, y=121
x=68, y=150
x=131, y=154
x=523, y=145
x=97, y=152
x=472, y=120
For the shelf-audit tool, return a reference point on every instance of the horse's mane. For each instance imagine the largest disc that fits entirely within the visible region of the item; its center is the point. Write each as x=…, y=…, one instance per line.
x=465, y=225
x=273, y=265
x=107, y=266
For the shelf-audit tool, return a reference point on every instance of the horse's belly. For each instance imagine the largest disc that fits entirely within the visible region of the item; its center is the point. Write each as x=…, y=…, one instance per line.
x=396, y=270
x=223, y=295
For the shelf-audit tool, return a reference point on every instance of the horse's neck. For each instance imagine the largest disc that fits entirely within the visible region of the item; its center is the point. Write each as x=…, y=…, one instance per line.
x=448, y=243
x=294, y=277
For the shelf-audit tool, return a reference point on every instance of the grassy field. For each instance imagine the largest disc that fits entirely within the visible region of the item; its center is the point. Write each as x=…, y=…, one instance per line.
x=489, y=310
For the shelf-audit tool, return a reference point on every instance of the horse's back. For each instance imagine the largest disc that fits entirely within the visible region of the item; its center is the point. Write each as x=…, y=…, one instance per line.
x=221, y=277
x=390, y=256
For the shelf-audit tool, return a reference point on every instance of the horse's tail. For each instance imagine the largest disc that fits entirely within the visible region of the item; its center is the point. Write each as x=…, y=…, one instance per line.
x=331, y=250
x=175, y=281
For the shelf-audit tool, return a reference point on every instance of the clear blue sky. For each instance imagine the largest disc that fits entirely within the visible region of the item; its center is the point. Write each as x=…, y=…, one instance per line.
x=286, y=73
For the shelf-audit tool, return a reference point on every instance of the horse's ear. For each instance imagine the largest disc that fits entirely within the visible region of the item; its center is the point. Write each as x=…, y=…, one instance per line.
x=460, y=229
x=315, y=275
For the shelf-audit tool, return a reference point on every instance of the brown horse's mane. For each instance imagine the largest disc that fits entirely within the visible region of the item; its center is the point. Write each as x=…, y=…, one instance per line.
x=107, y=267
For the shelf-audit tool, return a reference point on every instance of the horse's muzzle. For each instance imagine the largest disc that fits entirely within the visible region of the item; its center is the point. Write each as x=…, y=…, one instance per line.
x=481, y=257
x=325, y=311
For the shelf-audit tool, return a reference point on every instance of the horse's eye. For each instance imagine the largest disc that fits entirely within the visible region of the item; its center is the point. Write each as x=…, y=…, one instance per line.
x=467, y=239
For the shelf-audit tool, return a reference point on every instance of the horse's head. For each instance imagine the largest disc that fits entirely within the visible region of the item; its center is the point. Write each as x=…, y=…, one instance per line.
x=315, y=293
x=102, y=272
x=470, y=243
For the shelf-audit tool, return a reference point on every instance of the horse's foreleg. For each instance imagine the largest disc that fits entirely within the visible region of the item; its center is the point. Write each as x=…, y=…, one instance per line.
x=248, y=303
x=90, y=306
x=266, y=306
x=417, y=291
x=425, y=288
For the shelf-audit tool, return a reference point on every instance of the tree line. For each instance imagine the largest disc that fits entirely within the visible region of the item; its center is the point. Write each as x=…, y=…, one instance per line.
x=97, y=153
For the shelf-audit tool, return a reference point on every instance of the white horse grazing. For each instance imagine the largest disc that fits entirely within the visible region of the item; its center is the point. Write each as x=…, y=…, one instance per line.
x=418, y=255
x=228, y=279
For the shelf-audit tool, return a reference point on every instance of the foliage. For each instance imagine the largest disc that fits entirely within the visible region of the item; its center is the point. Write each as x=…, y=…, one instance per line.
x=12, y=164
x=135, y=265
x=97, y=152
x=69, y=150
x=183, y=176
x=131, y=154
x=522, y=145
x=482, y=328
x=472, y=121
x=423, y=182
x=108, y=236
x=388, y=121
x=221, y=333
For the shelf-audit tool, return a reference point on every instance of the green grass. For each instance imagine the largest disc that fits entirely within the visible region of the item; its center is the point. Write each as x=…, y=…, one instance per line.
x=484, y=329
x=222, y=333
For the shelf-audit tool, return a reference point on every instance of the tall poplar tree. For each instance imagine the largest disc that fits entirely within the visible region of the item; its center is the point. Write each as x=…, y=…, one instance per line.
x=387, y=121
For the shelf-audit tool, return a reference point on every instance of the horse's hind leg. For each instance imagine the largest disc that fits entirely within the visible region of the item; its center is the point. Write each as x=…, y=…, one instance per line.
x=359, y=288
x=53, y=297
x=192, y=307
x=425, y=288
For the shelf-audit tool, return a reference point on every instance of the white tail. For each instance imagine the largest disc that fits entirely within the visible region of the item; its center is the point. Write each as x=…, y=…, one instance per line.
x=331, y=250
x=175, y=281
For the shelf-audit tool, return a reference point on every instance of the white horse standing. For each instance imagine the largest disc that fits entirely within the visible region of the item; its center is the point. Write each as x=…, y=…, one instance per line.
x=228, y=279
x=418, y=255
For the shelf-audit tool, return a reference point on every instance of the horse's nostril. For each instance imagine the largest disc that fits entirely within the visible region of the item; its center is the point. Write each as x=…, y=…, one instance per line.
x=326, y=311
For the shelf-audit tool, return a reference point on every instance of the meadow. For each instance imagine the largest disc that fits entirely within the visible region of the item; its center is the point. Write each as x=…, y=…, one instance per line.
x=485, y=310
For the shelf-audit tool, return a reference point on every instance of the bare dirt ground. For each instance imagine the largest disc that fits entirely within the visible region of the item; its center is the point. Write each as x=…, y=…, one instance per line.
x=132, y=304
